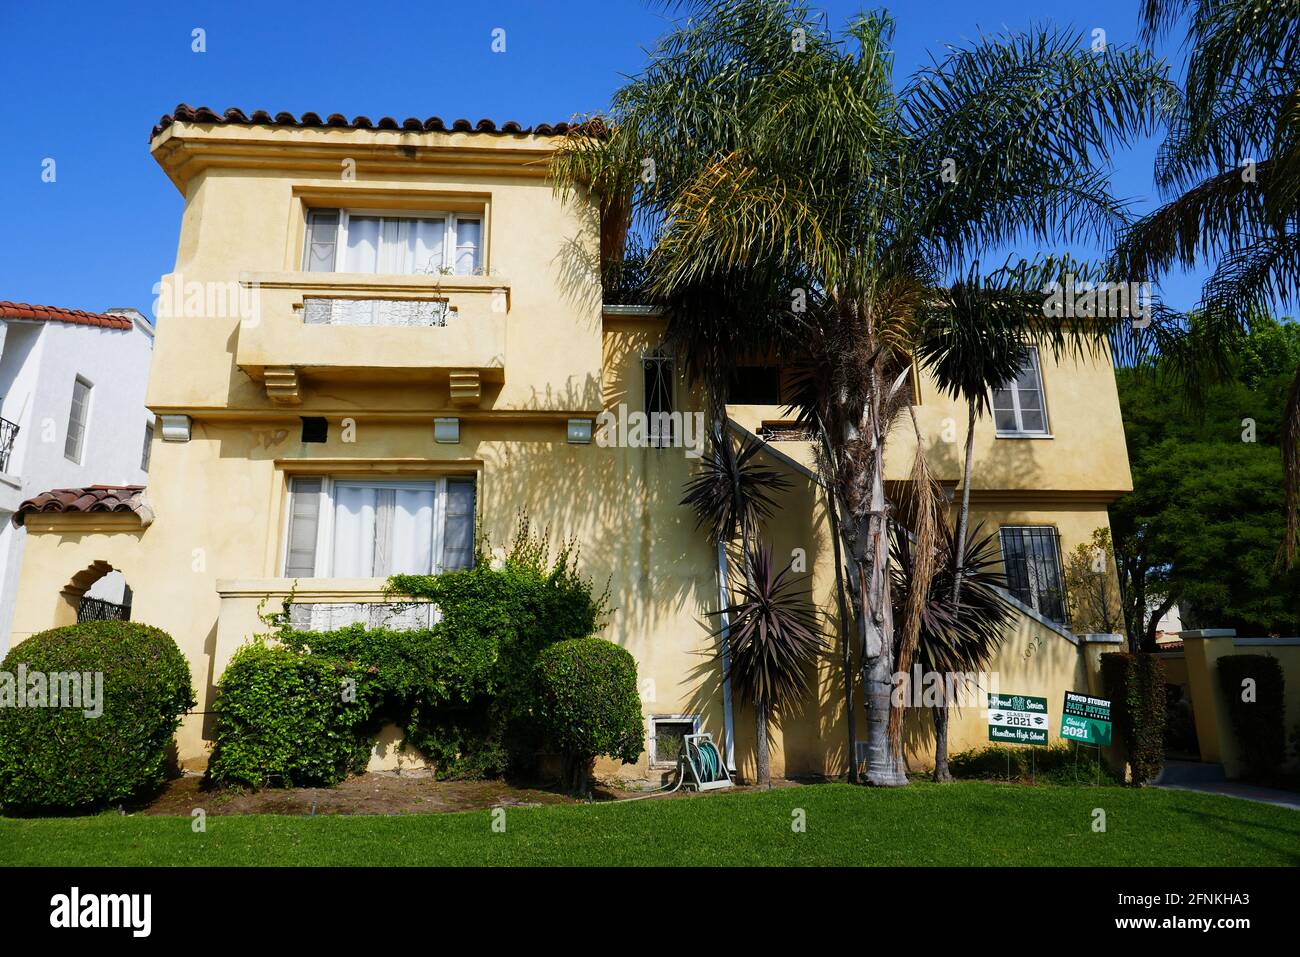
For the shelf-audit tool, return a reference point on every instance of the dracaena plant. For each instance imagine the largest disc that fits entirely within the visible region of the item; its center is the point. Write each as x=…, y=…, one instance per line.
x=774, y=640
x=797, y=204
x=961, y=635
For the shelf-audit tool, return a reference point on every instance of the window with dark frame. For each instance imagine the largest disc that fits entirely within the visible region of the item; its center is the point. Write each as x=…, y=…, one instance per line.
x=1031, y=555
x=658, y=375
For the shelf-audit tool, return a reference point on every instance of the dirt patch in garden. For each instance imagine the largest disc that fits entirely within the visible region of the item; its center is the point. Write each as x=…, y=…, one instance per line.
x=380, y=793
x=377, y=793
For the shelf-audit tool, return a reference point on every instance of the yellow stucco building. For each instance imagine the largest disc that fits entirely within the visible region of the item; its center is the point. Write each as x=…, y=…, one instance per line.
x=374, y=331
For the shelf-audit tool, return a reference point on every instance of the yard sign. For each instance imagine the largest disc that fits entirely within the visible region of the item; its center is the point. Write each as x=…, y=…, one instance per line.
x=1017, y=719
x=1086, y=719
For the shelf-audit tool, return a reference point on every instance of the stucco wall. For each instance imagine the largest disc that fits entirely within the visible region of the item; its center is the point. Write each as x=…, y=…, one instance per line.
x=220, y=498
x=40, y=363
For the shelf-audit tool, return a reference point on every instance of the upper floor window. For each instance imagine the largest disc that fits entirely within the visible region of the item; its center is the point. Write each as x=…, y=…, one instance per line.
x=658, y=370
x=373, y=528
x=413, y=244
x=1018, y=406
x=78, y=418
x=755, y=385
x=148, y=445
x=1031, y=556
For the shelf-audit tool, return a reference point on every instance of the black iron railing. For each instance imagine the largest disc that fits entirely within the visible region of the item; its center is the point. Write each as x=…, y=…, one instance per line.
x=1031, y=556
x=8, y=432
x=97, y=609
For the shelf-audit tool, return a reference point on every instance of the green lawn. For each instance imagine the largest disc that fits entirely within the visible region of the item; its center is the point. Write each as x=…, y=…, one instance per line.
x=959, y=824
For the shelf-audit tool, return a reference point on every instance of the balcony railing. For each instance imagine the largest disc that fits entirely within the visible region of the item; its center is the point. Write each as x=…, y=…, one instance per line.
x=319, y=311
x=326, y=325
x=8, y=433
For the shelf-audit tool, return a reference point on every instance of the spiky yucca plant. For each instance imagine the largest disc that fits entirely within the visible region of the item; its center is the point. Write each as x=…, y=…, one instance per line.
x=774, y=641
x=960, y=636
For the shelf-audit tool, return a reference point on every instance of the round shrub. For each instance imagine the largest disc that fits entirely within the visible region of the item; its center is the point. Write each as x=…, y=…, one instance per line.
x=588, y=703
x=288, y=717
x=70, y=756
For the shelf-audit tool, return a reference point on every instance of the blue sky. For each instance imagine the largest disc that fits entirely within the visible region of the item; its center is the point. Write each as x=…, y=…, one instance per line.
x=83, y=83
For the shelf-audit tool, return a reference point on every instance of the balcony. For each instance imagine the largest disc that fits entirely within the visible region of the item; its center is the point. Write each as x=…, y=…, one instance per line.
x=342, y=326
x=8, y=433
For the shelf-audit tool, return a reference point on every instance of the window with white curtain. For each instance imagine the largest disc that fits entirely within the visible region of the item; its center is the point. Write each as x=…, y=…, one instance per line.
x=373, y=528
x=410, y=244
x=1018, y=406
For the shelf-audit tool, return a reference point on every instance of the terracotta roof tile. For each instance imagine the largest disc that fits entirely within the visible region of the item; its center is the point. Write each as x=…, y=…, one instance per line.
x=92, y=498
x=234, y=116
x=22, y=310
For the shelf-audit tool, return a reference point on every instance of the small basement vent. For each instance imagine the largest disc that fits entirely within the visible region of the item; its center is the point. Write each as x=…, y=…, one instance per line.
x=666, y=735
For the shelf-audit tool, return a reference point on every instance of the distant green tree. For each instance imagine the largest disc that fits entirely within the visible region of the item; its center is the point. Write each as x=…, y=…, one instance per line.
x=1202, y=525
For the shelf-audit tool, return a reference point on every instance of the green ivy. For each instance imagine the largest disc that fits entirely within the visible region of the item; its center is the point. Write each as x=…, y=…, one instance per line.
x=1258, y=723
x=1136, y=687
x=463, y=691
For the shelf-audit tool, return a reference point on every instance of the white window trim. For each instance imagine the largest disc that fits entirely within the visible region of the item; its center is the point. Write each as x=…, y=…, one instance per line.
x=655, y=760
x=85, y=422
x=1046, y=432
x=448, y=235
x=325, y=517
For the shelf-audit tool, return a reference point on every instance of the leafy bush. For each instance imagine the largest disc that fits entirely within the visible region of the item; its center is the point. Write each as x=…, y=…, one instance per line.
x=462, y=691
x=1258, y=723
x=58, y=757
x=1056, y=764
x=291, y=718
x=588, y=703
x=1135, y=685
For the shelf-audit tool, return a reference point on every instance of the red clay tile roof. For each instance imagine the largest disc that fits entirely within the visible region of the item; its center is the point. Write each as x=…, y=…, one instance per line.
x=188, y=114
x=92, y=498
x=22, y=310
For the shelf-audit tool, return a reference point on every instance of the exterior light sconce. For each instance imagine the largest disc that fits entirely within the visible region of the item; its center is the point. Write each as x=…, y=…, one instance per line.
x=446, y=431
x=175, y=428
x=580, y=431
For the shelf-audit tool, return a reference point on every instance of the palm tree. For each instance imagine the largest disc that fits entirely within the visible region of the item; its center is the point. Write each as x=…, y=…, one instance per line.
x=1230, y=170
x=801, y=208
x=957, y=636
x=773, y=643
x=730, y=493
x=971, y=342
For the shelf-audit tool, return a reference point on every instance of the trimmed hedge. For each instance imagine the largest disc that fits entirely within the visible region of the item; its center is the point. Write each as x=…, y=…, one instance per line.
x=1259, y=725
x=463, y=691
x=58, y=757
x=588, y=702
x=289, y=718
x=1136, y=686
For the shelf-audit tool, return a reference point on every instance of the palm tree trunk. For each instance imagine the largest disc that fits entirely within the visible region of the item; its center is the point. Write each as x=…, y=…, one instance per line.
x=941, y=772
x=876, y=625
x=846, y=644
x=764, y=772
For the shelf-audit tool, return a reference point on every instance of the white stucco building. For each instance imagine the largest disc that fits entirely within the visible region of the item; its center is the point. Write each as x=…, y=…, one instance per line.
x=72, y=414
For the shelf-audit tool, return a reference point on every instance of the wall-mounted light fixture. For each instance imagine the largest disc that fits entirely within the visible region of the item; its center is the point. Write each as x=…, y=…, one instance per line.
x=580, y=431
x=175, y=428
x=446, y=431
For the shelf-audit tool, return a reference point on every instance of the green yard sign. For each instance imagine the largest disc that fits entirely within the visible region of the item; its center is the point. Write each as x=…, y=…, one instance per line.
x=1085, y=719
x=1017, y=719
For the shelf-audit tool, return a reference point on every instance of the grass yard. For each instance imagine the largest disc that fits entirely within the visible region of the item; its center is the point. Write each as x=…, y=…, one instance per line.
x=967, y=823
